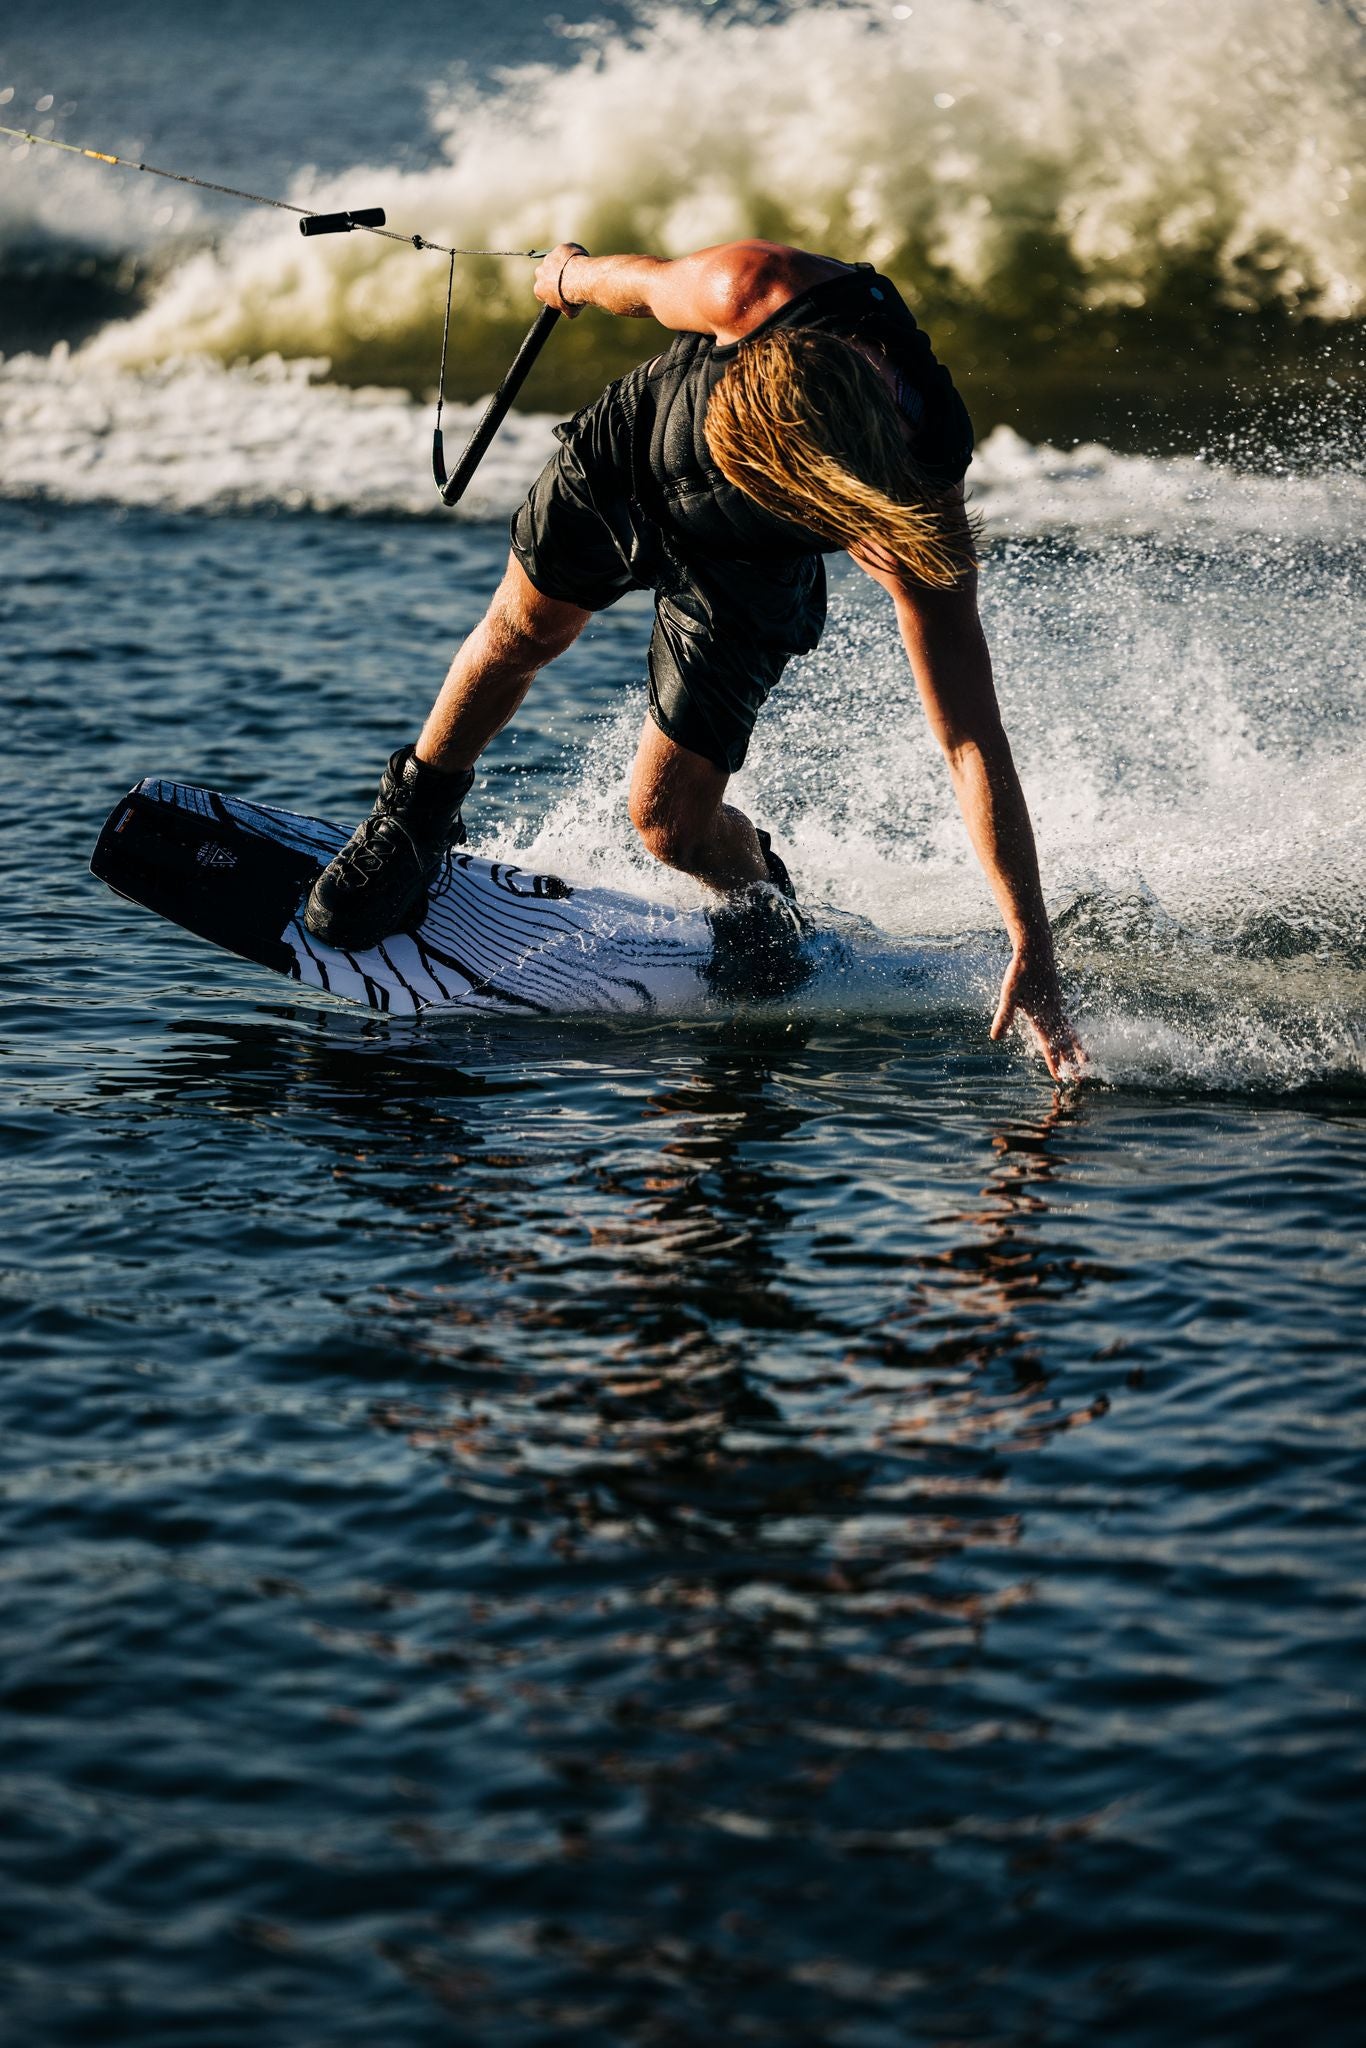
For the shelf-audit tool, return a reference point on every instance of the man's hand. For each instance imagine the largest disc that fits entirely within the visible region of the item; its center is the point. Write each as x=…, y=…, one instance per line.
x=550, y=271
x=952, y=667
x=1030, y=990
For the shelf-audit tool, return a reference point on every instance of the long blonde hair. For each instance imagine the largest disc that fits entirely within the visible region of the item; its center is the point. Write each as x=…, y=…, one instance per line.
x=803, y=424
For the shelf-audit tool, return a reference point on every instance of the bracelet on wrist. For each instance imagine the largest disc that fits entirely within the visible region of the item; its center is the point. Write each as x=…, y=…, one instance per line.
x=559, y=282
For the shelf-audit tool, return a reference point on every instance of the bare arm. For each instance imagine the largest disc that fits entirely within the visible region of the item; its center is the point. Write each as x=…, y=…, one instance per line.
x=726, y=291
x=951, y=664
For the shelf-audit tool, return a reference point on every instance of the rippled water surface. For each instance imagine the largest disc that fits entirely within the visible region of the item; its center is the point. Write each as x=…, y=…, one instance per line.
x=771, y=1528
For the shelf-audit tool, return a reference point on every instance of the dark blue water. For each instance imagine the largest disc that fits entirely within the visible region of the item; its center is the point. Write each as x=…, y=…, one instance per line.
x=787, y=1530
x=769, y=1528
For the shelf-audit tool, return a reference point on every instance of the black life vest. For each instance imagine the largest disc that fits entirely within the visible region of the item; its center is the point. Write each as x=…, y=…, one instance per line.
x=663, y=405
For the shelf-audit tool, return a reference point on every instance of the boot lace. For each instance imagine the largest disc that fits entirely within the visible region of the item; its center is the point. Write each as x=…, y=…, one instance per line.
x=362, y=858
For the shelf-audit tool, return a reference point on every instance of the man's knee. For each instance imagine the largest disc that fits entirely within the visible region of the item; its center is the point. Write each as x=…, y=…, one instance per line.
x=529, y=628
x=673, y=833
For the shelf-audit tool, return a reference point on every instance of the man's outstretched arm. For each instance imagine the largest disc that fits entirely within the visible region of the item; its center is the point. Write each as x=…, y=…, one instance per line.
x=951, y=663
x=726, y=291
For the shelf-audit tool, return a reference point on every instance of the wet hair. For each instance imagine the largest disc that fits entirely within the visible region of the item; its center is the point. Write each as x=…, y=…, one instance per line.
x=803, y=424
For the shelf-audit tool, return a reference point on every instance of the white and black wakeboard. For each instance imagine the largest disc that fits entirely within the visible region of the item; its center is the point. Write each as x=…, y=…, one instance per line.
x=495, y=937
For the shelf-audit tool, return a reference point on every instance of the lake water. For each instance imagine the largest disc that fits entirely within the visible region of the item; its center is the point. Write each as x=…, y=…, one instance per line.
x=763, y=1526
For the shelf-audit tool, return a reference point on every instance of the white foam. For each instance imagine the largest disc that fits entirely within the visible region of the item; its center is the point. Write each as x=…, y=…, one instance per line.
x=1011, y=160
x=274, y=435
x=1025, y=488
x=1191, y=734
x=269, y=435
x=51, y=202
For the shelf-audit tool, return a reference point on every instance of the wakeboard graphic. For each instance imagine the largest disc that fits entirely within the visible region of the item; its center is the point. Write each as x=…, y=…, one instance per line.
x=495, y=937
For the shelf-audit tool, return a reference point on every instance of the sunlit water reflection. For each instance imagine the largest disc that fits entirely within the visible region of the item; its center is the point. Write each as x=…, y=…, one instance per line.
x=780, y=1530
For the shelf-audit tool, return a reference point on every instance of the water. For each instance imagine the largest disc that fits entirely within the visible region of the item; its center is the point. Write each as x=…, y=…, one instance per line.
x=773, y=1527
x=1094, y=209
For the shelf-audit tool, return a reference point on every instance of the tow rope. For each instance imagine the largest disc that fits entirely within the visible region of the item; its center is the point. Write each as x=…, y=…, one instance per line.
x=370, y=220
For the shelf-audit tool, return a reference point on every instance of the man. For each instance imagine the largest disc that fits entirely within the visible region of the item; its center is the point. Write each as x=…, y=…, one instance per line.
x=799, y=411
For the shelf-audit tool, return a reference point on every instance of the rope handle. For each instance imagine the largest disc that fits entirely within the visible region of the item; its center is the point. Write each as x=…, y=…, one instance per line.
x=453, y=488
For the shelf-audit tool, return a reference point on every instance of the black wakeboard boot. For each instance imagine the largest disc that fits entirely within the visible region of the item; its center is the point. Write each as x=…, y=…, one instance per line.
x=378, y=883
x=758, y=933
x=776, y=865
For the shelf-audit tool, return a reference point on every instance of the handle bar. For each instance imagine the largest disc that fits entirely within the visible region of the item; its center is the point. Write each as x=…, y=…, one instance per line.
x=453, y=488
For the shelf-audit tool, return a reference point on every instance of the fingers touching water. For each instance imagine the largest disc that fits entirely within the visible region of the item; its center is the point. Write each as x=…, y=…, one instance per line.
x=1030, y=991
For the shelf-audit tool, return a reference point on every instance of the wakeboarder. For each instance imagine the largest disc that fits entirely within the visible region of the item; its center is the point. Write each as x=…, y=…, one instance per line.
x=799, y=411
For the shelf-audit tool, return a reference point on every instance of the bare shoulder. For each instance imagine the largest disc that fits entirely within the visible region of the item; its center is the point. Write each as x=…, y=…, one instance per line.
x=746, y=283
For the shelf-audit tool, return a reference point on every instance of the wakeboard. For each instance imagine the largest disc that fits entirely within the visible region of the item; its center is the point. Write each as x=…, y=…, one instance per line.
x=495, y=936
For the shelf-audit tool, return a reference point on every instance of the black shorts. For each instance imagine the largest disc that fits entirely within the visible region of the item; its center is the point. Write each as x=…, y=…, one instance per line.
x=724, y=631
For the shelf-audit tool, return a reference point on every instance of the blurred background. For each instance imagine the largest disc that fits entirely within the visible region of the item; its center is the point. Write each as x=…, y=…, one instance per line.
x=1129, y=223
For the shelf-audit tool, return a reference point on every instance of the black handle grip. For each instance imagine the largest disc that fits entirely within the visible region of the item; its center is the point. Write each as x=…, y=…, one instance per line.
x=452, y=489
x=342, y=223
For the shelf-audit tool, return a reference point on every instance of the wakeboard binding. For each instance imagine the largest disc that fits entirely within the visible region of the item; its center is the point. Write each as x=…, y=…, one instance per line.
x=380, y=881
x=758, y=938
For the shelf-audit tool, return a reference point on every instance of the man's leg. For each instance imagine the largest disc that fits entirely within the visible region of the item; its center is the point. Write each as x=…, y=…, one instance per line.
x=378, y=883
x=518, y=635
x=676, y=807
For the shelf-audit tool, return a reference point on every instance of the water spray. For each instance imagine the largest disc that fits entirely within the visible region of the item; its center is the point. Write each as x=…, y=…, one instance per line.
x=370, y=220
